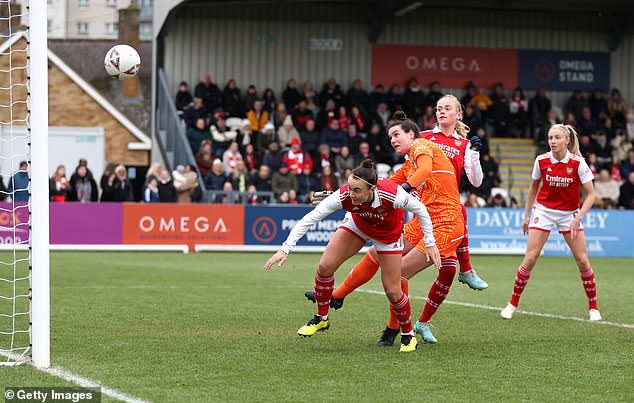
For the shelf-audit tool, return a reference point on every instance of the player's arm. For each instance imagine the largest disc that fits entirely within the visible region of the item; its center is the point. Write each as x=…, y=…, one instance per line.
x=410, y=203
x=328, y=206
x=472, y=166
x=422, y=173
x=398, y=177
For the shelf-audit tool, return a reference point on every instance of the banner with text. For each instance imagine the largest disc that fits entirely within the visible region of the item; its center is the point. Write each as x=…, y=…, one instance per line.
x=564, y=71
x=271, y=225
x=14, y=223
x=454, y=67
x=495, y=230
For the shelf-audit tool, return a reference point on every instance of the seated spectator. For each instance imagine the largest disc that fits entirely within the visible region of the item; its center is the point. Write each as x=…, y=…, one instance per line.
x=118, y=187
x=413, y=97
x=327, y=179
x=482, y=134
x=356, y=95
x=185, y=183
x=395, y=98
x=598, y=105
x=231, y=157
x=19, y=183
x=280, y=114
x=291, y=95
x=183, y=97
x=240, y=177
x=587, y=146
x=593, y=165
x=358, y=119
x=261, y=181
x=301, y=114
x=606, y=190
x=273, y=157
x=617, y=108
x=482, y=102
x=289, y=197
x=473, y=200
x=376, y=97
x=83, y=186
x=283, y=181
x=257, y=116
x=331, y=90
x=312, y=102
x=344, y=119
x=364, y=153
x=296, y=159
x=434, y=94
x=428, y=119
x=380, y=145
x=208, y=92
x=310, y=138
x=251, y=158
x=166, y=188
x=205, y=157
x=588, y=124
x=195, y=135
x=518, y=108
x=498, y=114
x=497, y=201
x=326, y=115
x=232, y=100
x=151, y=191
x=627, y=165
x=195, y=112
x=249, y=97
x=287, y=133
x=620, y=146
x=334, y=137
x=58, y=185
x=470, y=91
x=575, y=104
x=267, y=137
x=269, y=101
x=490, y=171
x=216, y=178
x=344, y=161
x=382, y=115
x=307, y=184
x=222, y=136
x=603, y=149
x=629, y=127
x=626, y=196
x=323, y=158
x=354, y=139
x=4, y=194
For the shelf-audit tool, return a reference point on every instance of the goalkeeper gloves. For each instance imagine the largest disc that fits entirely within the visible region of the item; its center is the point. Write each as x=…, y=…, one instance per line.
x=476, y=143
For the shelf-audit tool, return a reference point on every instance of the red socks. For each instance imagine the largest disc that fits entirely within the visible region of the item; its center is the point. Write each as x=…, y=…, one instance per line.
x=323, y=292
x=440, y=288
x=393, y=322
x=403, y=313
x=521, y=278
x=590, y=286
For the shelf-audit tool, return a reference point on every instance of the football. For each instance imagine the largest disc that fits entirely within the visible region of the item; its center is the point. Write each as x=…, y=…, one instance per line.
x=122, y=62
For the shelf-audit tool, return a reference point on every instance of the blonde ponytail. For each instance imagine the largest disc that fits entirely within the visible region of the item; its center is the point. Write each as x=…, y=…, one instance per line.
x=573, y=146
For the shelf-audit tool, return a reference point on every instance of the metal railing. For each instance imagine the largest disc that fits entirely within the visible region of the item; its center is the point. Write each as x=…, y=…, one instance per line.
x=235, y=197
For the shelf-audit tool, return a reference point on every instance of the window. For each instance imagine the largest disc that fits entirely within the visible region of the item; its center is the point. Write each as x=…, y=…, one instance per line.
x=111, y=3
x=112, y=28
x=145, y=31
x=83, y=3
x=82, y=28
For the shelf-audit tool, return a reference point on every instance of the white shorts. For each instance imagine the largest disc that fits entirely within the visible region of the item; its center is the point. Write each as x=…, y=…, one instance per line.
x=544, y=218
x=349, y=225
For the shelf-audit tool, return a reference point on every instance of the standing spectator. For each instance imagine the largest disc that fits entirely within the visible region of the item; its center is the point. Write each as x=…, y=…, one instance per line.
x=356, y=95
x=312, y=102
x=539, y=108
x=413, y=98
x=376, y=97
x=231, y=157
x=301, y=114
x=196, y=134
x=204, y=157
x=267, y=137
x=617, y=108
x=575, y=104
x=151, y=191
x=105, y=178
x=284, y=181
x=183, y=97
x=626, y=197
x=310, y=138
x=269, y=101
x=344, y=161
x=232, y=100
x=257, y=116
x=250, y=96
x=195, y=112
x=118, y=187
x=209, y=93
x=307, y=184
x=58, y=185
x=279, y=116
x=166, y=188
x=273, y=157
x=331, y=90
x=606, y=189
x=328, y=180
x=287, y=133
x=334, y=137
x=518, y=107
x=291, y=95
x=598, y=105
x=296, y=159
x=434, y=94
x=18, y=186
x=185, y=182
x=83, y=186
x=4, y=194
x=82, y=163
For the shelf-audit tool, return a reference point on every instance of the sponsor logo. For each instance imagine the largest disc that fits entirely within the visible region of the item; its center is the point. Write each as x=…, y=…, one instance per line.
x=549, y=169
x=536, y=220
x=264, y=229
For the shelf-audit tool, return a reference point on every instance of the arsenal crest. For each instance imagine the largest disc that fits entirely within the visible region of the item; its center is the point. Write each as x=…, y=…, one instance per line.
x=568, y=171
x=458, y=143
x=535, y=220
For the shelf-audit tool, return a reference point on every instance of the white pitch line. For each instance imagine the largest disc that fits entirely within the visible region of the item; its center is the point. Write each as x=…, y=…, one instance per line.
x=495, y=308
x=81, y=381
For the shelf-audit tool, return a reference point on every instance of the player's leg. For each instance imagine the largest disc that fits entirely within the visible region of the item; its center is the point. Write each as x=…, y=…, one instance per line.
x=537, y=237
x=399, y=301
x=579, y=250
x=341, y=247
x=467, y=273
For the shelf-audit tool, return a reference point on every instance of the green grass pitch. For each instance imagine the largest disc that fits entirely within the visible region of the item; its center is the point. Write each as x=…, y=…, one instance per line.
x=217, y=327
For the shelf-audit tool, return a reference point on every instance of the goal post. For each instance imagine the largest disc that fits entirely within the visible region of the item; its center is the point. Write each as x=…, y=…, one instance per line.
x=39, y=204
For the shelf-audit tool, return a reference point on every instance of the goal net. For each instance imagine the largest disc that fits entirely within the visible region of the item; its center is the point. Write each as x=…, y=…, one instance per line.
x=24, y=289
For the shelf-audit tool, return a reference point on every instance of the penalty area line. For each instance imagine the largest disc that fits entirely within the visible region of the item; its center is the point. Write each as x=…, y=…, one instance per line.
x=498, y=309
x=59, y=372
